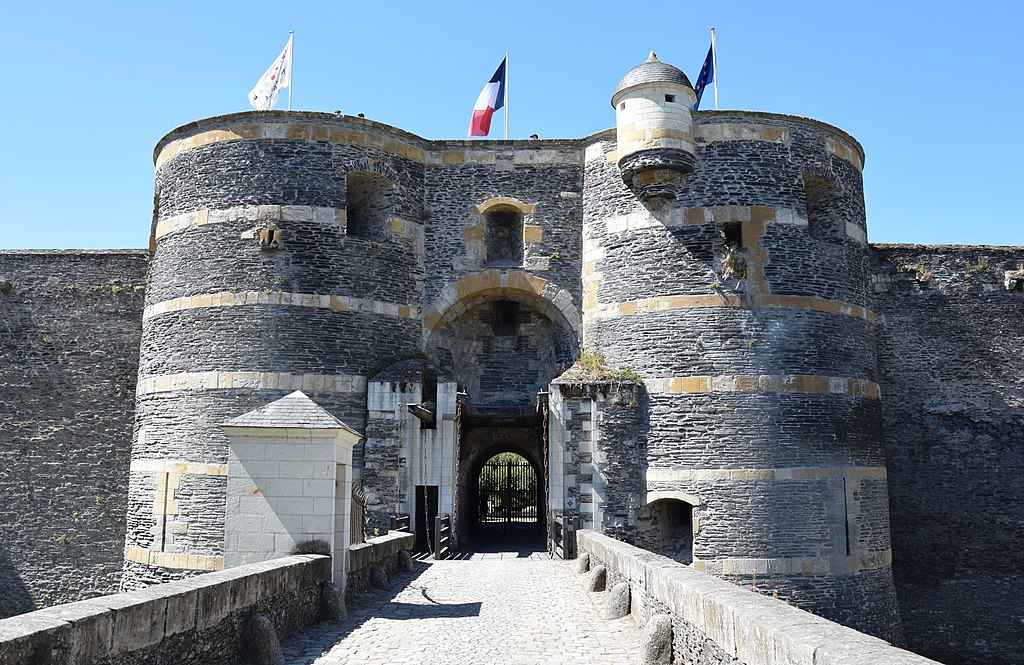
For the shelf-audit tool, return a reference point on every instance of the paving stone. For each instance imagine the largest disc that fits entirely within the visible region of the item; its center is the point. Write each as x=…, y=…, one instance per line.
x=498, y=607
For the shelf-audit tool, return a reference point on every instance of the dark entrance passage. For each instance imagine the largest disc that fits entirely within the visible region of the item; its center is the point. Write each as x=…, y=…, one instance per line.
x=507, y=491
x=501, y=483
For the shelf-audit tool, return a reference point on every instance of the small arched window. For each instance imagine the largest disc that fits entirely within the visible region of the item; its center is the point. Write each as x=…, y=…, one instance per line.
x=666, y=528
x=503, y=236
x=368, y=204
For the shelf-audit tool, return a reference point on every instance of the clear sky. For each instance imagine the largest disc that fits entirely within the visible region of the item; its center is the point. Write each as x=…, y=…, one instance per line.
x=932, y=90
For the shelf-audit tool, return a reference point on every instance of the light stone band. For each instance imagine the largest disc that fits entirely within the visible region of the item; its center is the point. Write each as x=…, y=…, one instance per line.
x=764, y=383
x=193, y=381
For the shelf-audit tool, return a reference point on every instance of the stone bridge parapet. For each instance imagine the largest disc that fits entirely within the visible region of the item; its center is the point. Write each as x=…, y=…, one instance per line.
x=196, y=620
x=715, y=621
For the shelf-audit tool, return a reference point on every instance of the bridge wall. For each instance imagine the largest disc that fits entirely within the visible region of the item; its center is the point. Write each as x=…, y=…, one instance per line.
x=196, y=620
x=715, y=622
x=383, y=551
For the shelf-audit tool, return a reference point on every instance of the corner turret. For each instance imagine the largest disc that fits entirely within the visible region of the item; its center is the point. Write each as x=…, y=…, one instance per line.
x=654, y=129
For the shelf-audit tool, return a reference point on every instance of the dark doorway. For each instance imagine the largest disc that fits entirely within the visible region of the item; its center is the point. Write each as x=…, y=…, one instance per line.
x=426, y=511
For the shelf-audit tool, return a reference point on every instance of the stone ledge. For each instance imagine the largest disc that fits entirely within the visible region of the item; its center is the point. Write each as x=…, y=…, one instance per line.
x=380, y=551
x=337, y=303
x=174, y=560
x=134, y=626
x=287, y=381
x=763, y=383
x=681, y=474
x=751, y=628
x=728, y=300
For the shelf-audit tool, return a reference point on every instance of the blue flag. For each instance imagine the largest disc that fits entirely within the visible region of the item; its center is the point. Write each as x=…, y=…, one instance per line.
x=707, y=75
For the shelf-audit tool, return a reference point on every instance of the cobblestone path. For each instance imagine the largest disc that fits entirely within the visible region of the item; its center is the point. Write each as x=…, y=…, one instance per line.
x=491, y=608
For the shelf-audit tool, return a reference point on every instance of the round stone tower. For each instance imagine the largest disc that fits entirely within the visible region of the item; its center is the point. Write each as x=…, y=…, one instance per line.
x=654, y=129
x=287, y=255
x=741, y=298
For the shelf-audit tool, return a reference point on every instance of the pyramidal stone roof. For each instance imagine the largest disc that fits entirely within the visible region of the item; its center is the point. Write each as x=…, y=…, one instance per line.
x=295, y=410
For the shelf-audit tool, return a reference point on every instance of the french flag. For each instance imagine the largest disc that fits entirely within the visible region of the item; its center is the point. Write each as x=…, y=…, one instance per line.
x=491, y=98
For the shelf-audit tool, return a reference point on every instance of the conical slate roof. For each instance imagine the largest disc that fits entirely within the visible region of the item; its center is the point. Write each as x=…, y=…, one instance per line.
x=652, y=71
x=295, y=411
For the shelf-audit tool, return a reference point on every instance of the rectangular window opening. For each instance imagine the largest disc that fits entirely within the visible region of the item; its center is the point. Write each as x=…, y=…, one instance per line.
x=506, y=318
x=733, y=234
x=670, y=98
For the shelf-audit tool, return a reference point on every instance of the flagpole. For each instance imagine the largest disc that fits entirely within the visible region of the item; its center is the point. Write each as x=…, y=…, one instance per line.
x=506, y=95
x=291, y=58
x=714, y=66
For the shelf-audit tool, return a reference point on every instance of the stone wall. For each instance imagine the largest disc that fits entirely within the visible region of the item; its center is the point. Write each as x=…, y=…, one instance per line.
x=70, y=323
x=381, y=551
x=195, y=621
x=950, y=336
x=715, y=622
x=503, y=327
x=503, y=353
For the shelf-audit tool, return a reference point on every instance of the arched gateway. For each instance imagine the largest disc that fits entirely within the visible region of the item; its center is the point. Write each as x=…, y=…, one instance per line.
x=502, y=342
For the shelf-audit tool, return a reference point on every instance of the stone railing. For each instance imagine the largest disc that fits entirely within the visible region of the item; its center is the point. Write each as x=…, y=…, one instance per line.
x=218, y=617
x=376, y=560
x=714, y=621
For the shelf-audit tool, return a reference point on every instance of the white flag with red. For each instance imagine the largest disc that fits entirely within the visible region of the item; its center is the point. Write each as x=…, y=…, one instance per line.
x=491, y=98
x=263, y=96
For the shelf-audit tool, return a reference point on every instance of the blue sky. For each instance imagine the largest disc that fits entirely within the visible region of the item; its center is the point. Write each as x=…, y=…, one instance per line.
x=933, y=91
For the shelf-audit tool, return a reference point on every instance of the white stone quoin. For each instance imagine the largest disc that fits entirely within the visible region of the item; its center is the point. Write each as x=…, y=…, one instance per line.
x=289, y=481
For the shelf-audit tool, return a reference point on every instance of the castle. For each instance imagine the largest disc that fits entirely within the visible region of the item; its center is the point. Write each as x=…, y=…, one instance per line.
x=679, y=323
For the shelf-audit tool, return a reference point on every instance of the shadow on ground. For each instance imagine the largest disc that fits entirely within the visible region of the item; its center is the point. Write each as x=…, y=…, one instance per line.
x=522, y=539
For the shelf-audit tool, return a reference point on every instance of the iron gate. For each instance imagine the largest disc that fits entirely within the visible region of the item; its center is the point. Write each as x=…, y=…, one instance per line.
x=507, y=490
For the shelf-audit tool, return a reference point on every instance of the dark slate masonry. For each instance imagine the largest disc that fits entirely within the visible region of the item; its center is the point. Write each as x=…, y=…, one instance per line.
x=952, y=372
x=765, y=396
x=70, y=323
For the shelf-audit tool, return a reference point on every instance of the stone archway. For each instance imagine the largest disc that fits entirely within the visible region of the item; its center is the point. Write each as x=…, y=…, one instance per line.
x=503, y=336
x=550, y=299
x=482, y=444
x=665, y=526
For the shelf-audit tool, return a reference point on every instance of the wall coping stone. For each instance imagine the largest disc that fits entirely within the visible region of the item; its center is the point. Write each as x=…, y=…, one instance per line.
x=118, y=624
x=753, y=628
x=364, y=555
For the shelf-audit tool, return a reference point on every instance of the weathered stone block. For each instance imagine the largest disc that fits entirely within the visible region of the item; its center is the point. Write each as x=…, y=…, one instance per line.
x=378, y=577
x=260, y=643
x=139, y=618
x=332, y=602
x=617, y=603
x=656, y=641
